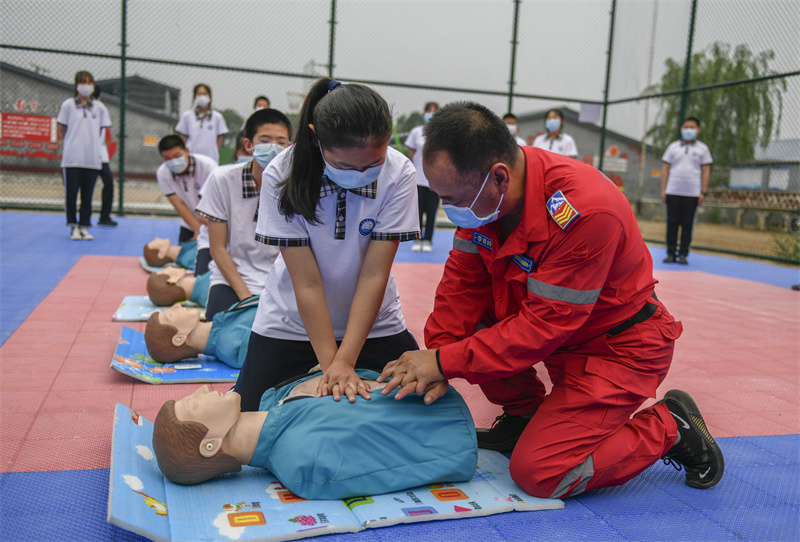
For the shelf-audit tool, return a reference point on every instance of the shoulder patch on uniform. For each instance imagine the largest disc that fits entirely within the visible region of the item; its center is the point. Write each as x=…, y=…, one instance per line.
x=525, y=263
x=561, y=210
x=482, y=240
x=366, y=226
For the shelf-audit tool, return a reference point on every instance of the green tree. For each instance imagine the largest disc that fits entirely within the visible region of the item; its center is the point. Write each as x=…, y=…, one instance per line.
x=406, y=122
x=733, y=119
x=234, y=121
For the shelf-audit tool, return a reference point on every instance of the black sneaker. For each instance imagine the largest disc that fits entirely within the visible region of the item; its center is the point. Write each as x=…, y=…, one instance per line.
x=106, y=222
x=669, y=259
x=504, y=434
x=682, y=260
x=696, y=450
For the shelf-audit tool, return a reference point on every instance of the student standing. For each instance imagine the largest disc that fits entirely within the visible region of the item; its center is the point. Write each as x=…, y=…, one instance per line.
x=337, y=203
x=181, y=177
x=554, y=139
x=106, y=176
x=230, y=203
x=511, y=121
x=684, y=185
x=202, y=127
x=428, y=199
x=80, y=122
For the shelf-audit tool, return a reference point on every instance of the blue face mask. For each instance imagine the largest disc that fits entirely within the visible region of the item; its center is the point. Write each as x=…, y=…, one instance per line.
x=427, y=116
x=244, y=159
x=177, y=165
x=263, y=153
x=552, y=125
x=464, y=217
x=689, y=134
x=350, y=178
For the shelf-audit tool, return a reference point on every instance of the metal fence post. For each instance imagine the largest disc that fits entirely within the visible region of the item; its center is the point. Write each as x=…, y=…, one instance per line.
x=688, y=67
x=122, y=89
x=513, y=57
x=333, y=33
x=608, y=79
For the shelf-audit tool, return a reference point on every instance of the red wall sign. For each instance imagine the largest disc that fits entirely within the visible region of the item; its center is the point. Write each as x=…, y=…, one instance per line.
x=28, y=128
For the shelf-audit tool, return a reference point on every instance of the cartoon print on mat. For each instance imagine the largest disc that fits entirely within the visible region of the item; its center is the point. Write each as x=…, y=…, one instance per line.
x=137, y=419
x=277, y=491
x=137, y=486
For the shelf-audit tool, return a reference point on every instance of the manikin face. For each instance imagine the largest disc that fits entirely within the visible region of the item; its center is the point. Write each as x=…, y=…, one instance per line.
x=174, y=274
x=216, y=411
x=160, y=244
x=185, y=320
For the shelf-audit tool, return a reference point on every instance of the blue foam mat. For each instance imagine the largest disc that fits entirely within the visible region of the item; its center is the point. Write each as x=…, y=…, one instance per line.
x=758, y=499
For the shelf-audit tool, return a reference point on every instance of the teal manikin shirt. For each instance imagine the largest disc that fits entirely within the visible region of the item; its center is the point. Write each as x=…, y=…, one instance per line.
x=230, y=332
x=200, y=290
x=187, y=255
x=323, y=449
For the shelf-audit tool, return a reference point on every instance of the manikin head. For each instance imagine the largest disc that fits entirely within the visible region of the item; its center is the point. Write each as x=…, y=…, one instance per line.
x=156, y=252
x=188, y=436
x=166, y=334
x=166, y=287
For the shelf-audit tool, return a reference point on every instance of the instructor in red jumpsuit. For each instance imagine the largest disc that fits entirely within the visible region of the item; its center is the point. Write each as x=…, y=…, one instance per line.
x=548, y=265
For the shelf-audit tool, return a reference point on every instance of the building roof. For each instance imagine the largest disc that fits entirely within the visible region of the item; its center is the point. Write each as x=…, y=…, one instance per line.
x=138, y=78
x=571, y=116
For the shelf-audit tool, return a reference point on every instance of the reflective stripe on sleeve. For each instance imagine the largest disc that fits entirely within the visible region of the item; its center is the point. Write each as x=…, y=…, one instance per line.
x=465, y=246
x=560, y=293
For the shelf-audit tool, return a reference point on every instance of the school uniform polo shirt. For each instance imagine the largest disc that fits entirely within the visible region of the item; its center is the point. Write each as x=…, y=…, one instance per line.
x=562, y=144
x=686, y=161
x=202, y=235
x=202, y=131
x=82, y=139
x=231, y=197
x=186, y=185
x=416, y=140
x=521, y=142
x=104, y=159
x=350, y=220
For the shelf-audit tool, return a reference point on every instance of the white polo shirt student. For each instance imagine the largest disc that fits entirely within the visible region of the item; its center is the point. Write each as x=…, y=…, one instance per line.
x=202, y=126
x=554, y=139
x=181, y=177
x=428, y=199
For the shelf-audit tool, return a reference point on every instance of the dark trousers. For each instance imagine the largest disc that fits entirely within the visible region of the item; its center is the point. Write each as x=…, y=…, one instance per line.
x=680, y=214
x=271, y=361
x=79, y=179
x=220, y=299
x=428, y=205
x=108, y=192
x=201, y=261
x=185, y=234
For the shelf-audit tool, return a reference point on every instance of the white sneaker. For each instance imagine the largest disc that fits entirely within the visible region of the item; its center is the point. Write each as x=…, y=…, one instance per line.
x=85, y=234
x=75, y=234
x=427, y=246
x=417, y=246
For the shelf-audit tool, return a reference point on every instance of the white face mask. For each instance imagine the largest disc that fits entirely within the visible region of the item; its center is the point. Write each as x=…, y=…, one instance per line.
x=244, y=159
x=263, y=153
x=177, y=165
x=689, y=134
x=552, y=125
x=202, y=100
x=512, y=128
x=350, y=178
x=85, y=90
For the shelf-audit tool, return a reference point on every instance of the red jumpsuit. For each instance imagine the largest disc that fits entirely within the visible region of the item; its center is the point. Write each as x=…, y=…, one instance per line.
x=574, y=268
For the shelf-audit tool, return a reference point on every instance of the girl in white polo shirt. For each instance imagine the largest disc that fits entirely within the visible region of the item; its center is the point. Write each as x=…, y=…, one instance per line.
x=202, y=127
x=80, y=122
x=337, y=203
x=554, y=139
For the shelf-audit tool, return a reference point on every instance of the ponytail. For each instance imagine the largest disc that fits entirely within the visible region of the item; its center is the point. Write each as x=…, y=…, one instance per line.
x=343, y=116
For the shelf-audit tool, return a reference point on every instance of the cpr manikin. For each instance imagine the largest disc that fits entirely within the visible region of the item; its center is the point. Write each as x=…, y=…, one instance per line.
x=317, y=447
x=172, y=285
x=160, y=252
x=177, y=333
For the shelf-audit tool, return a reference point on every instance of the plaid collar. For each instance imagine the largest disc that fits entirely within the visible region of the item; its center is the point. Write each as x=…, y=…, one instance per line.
x=88, y=104
x=553, y=138
x=692, y=142
x=329, y=187
x=189, y=171
x=249, y=188
x=199, y=116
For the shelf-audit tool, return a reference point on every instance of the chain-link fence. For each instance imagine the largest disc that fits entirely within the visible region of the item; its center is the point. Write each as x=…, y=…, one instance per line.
x=735, y=65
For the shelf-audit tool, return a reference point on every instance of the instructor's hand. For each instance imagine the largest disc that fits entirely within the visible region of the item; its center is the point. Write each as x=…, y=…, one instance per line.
x=417, y=372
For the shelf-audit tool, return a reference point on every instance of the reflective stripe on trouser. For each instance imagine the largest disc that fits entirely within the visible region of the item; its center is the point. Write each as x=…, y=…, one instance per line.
x=464, y=246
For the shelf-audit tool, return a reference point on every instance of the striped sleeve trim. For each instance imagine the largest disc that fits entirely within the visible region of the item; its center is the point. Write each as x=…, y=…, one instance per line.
x=210, y=217
x=465, y=246
x=560, y=293
x=282, y=241
x=407, y=236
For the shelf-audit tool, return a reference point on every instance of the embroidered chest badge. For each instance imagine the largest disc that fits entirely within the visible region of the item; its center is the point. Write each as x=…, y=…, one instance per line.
x=482, y=240
x=366, y=226
x=524, y=263
x=561, y=210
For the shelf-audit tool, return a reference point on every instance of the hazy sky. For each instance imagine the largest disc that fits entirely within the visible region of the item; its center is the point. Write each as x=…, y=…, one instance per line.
x=561, y=51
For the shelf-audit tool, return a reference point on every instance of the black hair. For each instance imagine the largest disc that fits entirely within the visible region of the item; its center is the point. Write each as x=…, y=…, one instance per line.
x=431, y=104
x=240, y=137
x=96, y=93
x=198, y=86
x=343, y=116
x=510, y=116
x=693, y=119
x=170, y=142
x=265, y=116
x=269, y=103
x=79, y=76
x=557, y=112
x=472, y=136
